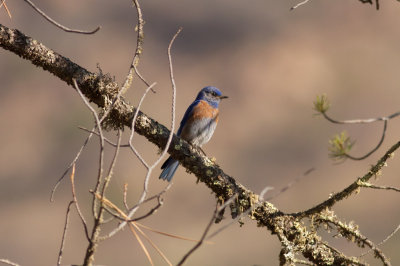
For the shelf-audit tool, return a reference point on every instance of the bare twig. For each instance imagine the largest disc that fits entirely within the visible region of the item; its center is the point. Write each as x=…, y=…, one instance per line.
x=369, y=185
x=218, y=209
x=139, y=47
x=141, y=243
x=75, y=200
x=3, y=3
x=299, y=4
x=107, y=179
x=360, y=121
x=374, y=149
x=151, y=167
x=105, y=139
x=383, y=241
x=142, y=78
x=8, y=262
x=52, y=21
x=69, y=167
x=64, y=233
x=101, y=142
x=151, y=243
x=289, y=185
x=351, y=188
x=133, y=127
x=126, y=196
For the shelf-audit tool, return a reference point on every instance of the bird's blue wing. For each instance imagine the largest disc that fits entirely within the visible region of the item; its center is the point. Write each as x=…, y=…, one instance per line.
x=187, y=115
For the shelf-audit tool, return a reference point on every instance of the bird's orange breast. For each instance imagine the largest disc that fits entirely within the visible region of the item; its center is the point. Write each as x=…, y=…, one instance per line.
x=203, y=110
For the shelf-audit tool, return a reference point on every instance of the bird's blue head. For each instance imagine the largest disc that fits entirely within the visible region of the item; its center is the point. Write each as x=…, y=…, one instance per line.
x=212, y=95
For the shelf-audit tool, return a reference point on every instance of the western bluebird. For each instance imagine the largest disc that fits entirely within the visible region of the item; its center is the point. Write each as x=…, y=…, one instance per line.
x=197, y=125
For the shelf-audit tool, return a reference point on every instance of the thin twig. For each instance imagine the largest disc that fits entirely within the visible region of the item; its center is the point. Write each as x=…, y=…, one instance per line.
x=108, y=110
x=52, y=21
x=368, y=185
x=150, y=168
x=125, y=196
x=171, y=235
x=218, y=209
x=6, y=261
x=107, y=179
x=69, y=167
x=352, y=187
x=101, y=143
x=133, y=127
x=374, y=149
x=64, y=233
x=106, y=139
x=142, y=78
x=75, y=200
x=299, y=4
x=360, y=121
x=141, y=243
x=3, y=3
x=289, y=185
x=152, y=244
x=383, y=241
x=139, y=47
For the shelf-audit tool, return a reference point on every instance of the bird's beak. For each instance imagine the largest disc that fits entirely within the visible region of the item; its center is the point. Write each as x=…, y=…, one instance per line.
x=223, y=97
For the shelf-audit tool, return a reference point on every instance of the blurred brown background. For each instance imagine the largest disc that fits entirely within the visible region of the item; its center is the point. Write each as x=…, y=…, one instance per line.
x=271, y=61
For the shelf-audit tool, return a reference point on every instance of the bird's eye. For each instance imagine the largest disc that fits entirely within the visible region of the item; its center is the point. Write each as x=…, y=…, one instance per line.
x=214, y=93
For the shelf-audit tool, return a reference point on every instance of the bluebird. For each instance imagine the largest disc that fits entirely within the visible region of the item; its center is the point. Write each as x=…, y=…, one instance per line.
x=197, y=126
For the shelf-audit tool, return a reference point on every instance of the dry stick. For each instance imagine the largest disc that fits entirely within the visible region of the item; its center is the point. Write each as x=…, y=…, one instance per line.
x=364, y=121
x=290, y=184
x=69, y=167
x=141, y=243
x=3, y=3
x=139, y=48
x=383, y=241
x=52, y=21
x=152, y=244
x=165, y=150
x=9, y=262
x=141, y=77
x=133, y=127
x=64, y=233
x=107, y=179
x=374, y=149
x=152, y=210
x=214, y=216
x=98, y=216
x=352, y=187
x=75, y=199
x=131, y=225
x=368, y=185
x=108, y=110
x=360, y=121
x=101, y=142
x=170, y=235
x=299, y=4
x=125, y=196
x=106, y=139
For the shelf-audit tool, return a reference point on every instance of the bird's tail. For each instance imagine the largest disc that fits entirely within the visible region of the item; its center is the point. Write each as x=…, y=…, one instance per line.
x=169, y=168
